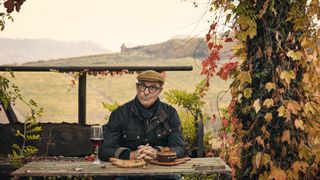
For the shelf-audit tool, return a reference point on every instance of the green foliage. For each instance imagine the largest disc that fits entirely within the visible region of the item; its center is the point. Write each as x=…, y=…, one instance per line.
x=193, y=103
x=31, y=132
x=9, y=92
x=110, y=107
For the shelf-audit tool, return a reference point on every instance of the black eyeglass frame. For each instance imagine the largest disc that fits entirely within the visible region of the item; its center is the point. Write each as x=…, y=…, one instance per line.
x=152, y=89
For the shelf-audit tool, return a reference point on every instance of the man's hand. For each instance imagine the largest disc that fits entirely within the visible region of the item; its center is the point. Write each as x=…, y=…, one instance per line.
x=145, y=152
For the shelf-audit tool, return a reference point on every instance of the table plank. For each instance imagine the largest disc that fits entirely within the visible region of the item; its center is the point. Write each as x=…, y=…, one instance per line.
x=213, y=165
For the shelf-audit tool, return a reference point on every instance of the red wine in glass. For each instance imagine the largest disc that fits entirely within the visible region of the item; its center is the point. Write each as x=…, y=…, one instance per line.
x=96, y=141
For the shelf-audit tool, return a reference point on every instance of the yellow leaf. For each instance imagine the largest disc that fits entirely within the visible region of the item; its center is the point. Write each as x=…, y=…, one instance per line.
x=308, y=107
x=269, y=86
x=268, y=103
x=247, y=92
x=288, y=75
x=266, y=158
x=293, y=106
x=277, y=174
x=304, y=152
x=299, y=124
x=295, y=55
x=248, y=27
x=286, y=137
x=244, y=77
x=256, y=160
x=256, y=105
x=268, y=117
x=281, y=111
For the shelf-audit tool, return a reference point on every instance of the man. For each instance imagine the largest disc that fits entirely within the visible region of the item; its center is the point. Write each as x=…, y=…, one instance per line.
x=142, y=127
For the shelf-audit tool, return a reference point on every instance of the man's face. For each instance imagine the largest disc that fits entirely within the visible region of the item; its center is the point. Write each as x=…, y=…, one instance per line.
x=148, y=92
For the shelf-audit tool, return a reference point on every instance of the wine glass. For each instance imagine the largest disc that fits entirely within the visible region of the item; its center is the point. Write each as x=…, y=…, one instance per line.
x=96, y=137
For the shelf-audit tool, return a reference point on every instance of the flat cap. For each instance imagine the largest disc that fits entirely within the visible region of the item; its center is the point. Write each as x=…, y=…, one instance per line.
x=150, y=75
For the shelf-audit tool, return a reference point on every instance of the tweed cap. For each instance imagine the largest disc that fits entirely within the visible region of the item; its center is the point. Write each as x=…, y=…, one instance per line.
x=150, y=75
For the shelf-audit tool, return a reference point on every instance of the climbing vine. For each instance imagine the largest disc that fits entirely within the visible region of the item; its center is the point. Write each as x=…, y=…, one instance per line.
x=275, y=85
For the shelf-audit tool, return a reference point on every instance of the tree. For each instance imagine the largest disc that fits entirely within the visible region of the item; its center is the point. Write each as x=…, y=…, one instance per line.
x=275, y=88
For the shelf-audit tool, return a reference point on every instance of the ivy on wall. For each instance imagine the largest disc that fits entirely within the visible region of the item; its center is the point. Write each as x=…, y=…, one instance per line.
x=275, y=86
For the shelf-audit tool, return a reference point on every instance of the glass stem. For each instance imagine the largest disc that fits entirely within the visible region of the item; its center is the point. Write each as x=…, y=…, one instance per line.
x=97, y=153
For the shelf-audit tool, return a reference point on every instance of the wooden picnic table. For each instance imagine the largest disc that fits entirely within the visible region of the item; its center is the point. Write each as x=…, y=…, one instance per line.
x=83, y=168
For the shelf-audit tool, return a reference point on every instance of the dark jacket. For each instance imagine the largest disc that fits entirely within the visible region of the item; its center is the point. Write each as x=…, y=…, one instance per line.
x=126, y=130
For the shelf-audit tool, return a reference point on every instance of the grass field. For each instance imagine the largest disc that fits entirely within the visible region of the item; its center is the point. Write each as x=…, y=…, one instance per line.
x=50, y=89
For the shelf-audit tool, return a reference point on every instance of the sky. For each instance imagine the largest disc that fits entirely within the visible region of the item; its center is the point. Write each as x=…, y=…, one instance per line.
x=109, y=23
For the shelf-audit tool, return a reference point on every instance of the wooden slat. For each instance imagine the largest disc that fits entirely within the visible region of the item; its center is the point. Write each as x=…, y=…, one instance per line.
x=86, y=168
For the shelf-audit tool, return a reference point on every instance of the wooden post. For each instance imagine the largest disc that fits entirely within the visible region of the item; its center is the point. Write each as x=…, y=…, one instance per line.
x=200, y=135
x=82, y=98
x=10, y=113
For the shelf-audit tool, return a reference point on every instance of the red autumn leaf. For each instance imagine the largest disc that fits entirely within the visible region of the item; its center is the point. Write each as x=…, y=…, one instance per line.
x=9, y=5
x=228, y=40
x=210, y=45
x=226, y=69
x=224, y=122
x=213, y=26
x=208, y=37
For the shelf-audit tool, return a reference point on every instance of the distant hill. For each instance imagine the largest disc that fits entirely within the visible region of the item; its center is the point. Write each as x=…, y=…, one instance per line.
x=18, y=51
x=173, y=48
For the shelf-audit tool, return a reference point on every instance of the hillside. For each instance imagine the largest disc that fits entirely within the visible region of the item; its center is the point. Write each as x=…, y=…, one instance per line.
x=18, y=51
x=172, y=49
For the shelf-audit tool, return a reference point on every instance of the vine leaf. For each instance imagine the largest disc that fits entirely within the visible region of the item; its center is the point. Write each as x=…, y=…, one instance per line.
x=247, y=93
x=293, y=106
x=256, y=105
x=268, y=117
x=282, y=111
x=244, y=77
x=286, y=136
x=269, y=86
x=268, y=103
x=298, y=123
x=300, y=166
x=295, y=55
x=257, y=160
x=277, y=174
x=288, y=75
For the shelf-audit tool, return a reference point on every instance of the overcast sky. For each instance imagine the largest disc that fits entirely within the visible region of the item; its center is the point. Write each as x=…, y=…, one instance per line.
x=108, y=23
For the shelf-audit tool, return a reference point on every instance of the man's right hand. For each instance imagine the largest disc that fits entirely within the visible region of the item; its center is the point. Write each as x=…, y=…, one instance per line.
x=145, y=152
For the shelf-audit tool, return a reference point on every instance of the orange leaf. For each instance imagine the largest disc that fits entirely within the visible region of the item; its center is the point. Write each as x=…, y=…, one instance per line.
x=286, y=136
x=277, y=174
x=298, y=123
x=293, y=107
x=268, y=117
x=269, y=86
x=300, y=166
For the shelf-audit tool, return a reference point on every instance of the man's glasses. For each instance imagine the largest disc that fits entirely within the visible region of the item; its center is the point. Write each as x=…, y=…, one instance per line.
x=152, y=89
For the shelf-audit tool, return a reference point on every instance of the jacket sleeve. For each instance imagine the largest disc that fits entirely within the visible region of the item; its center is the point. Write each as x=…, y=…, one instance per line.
x=176, y=139
x=112, y=137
